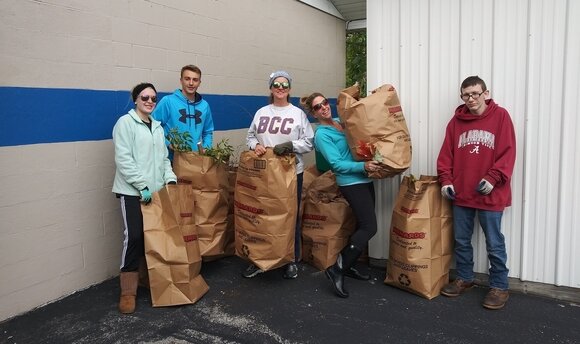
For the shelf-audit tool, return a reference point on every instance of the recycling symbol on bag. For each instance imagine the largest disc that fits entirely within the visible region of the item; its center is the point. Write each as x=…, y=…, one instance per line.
x=404, y=280
x=245, y=250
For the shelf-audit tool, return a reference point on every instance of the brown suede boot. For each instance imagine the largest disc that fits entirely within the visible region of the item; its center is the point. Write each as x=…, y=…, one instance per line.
x=496, y=298
x=129, y=281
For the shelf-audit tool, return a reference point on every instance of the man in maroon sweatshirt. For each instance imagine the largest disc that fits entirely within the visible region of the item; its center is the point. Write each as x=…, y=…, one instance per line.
x=474, y=166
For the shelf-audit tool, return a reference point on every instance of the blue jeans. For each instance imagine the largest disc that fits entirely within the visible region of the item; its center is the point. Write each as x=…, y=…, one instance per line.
x=463, y=220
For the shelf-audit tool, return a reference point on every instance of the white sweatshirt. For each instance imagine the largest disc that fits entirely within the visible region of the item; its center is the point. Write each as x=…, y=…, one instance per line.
x=273, y=125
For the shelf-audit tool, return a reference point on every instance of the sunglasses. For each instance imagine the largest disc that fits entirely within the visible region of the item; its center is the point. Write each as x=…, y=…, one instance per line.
x=320, y=105
x=146, y=98
x=284, y=85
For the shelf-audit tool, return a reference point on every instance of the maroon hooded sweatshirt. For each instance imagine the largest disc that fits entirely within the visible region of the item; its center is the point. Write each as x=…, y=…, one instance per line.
x=476, y=147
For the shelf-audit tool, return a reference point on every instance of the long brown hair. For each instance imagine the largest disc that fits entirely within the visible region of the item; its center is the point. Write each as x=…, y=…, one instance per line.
x=306, y=102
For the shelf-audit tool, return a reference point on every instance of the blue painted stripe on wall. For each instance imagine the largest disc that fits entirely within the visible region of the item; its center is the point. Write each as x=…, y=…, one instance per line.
x=50, y=115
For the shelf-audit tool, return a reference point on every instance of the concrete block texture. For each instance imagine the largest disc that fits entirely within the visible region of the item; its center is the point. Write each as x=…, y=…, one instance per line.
x=41, y=268
x=61, y=227
x=122, y=54
x=56, y=209
x=64, y=41
x=148, y=58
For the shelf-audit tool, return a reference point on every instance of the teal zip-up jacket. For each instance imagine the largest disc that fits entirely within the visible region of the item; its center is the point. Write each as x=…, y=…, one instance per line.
x=333, y=146
x=140, y=156
x=176, y=111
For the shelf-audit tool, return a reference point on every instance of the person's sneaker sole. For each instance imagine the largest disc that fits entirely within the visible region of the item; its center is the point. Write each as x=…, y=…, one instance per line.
x=253, y=274
x=294, y=275
x=290, y=277
x=493, y=307
x=450, y=294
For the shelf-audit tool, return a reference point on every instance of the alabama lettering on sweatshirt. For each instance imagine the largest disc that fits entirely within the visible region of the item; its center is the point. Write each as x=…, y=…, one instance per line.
x=476, y=147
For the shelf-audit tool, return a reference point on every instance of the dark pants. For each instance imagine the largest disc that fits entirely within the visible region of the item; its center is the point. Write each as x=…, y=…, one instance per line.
x=361, y=198
x=298, y=230
x=133, y=243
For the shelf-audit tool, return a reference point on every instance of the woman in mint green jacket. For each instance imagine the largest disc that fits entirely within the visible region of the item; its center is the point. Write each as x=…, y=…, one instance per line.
x=142, y=168
x=351, y=176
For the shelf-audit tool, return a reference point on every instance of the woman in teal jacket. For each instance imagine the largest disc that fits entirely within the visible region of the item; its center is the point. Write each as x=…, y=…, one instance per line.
x=351, y=177
x=142, y=168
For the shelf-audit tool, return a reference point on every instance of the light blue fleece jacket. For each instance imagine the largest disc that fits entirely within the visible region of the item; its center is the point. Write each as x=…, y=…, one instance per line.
x=140, y=156
x=332, y=144
x=176, y=111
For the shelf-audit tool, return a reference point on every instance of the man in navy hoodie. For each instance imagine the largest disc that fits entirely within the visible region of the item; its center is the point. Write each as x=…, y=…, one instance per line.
x=474, y=166
x=187, y=111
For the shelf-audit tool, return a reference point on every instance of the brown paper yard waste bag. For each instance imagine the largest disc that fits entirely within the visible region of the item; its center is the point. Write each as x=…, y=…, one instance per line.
x=310, y=173
x=230, y=234
x=209, y=180
x=327, y=222
x=265, y=209
x=421, y=238
x=171, y=248
x=376, y=129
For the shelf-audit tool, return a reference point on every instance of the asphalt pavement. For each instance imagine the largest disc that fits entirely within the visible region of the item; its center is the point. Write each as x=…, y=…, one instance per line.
x=270, y=309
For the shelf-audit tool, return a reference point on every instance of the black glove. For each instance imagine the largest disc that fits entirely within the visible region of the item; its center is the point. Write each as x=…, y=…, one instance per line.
x=283, y=148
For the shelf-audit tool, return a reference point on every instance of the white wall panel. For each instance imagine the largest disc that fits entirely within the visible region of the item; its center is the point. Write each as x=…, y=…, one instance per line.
x=542, y=189
x=568, y=253
x=382, y=67
x=528, y=52
x=507, y=88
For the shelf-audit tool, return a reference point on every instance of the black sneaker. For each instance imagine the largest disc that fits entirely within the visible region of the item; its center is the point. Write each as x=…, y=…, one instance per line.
x=291, y=271
x=252, y=271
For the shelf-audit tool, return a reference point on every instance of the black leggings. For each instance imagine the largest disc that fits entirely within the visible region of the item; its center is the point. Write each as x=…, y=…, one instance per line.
x=133, y=243
x=361, y=198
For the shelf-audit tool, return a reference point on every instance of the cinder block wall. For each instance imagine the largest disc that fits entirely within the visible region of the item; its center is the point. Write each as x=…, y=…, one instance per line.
x=66, y=68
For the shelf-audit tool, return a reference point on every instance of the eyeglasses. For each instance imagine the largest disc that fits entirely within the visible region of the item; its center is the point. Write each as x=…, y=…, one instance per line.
x=475, y=96
x=284, y=85
x=146, y=98
x=320, y=105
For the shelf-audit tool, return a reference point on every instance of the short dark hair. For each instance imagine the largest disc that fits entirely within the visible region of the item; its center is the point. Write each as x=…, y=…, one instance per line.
x=192, y=68
x=139, y=88
x=472, y=81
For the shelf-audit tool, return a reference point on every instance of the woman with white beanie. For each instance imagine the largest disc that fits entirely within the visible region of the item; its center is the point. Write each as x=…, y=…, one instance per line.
x=291, y=134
